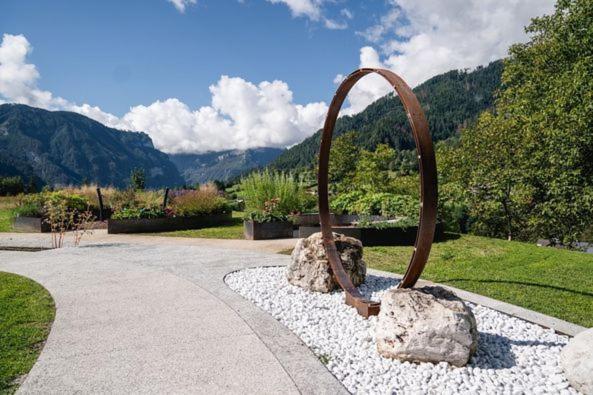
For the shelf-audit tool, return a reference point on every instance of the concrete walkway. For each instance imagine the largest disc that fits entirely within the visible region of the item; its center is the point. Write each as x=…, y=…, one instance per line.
x=43, y=240
x=146, y=318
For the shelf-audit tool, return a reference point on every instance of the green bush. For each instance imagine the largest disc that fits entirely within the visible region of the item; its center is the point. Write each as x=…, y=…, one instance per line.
x=33, y=205
x=11, y=186
x=344, y=202
x=200, y=202
x=274, y=194
x=382, y=203
x=138, y=213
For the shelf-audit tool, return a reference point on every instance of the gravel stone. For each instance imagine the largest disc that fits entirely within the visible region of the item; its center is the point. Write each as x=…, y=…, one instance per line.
x=513, y=356
x=577, y=361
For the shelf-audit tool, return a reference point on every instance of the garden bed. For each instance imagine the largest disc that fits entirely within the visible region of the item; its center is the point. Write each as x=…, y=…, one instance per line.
x=513, y=356
x=267, y=230
x=151, y=225
x=38, y=225
x=391, y=236
x=31, y=225
x=312, y=219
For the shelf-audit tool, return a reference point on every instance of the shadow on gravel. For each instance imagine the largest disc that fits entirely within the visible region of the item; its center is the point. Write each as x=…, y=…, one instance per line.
x=494, y=352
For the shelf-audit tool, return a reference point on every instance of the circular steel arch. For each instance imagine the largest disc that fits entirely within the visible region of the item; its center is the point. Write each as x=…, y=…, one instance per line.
x=428, y=187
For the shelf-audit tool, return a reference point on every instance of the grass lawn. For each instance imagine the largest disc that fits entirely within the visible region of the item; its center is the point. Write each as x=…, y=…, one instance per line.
x=234, y=230
x=26, y=313
x=7, y=203
x=552, y=281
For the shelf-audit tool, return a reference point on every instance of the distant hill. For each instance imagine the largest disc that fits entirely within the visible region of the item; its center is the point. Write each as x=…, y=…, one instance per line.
x=450, y=101
x=59, y=147
x=222, y=165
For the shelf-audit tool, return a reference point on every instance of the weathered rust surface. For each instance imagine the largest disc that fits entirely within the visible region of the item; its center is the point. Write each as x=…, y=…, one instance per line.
x=428, y=187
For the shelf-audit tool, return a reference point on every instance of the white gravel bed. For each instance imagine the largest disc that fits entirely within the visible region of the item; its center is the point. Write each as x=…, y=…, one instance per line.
x=513, y=357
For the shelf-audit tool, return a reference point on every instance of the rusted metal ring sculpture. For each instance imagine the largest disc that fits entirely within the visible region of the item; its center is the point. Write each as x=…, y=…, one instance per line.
x=428, y=188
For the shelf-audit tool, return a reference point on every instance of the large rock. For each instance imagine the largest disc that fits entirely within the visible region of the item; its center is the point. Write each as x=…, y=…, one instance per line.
x=577, y=361
x=311, y=270
x=429, y=324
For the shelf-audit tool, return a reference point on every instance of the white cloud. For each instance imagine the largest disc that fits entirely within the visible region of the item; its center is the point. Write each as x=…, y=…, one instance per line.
x=181, y=4
x=436, y=36
x=345, y=12
x=312, y=9
x=242, y=115
x=308, y=8
x=334, y=25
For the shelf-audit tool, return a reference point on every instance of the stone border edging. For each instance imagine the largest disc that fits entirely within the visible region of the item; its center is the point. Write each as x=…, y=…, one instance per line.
x=560, y=326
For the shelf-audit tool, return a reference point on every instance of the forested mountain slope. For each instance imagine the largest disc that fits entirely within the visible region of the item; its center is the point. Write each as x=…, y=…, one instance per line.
x=222, y=165
x=450, y=101
x=60, y=147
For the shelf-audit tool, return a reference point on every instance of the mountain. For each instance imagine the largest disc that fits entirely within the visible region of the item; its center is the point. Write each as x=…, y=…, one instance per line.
x=222, y=165
x=60, y=147
x=450, y=101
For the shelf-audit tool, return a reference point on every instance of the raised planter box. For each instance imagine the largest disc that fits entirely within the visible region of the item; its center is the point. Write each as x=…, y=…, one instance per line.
x=377, y=237
x=151, y=225
x=312, y=219
x=31, y=225
x=267, y=230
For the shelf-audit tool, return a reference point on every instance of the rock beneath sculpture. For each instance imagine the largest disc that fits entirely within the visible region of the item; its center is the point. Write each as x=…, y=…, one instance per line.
x=576, y=360
x=310, y=268
x=429, y=324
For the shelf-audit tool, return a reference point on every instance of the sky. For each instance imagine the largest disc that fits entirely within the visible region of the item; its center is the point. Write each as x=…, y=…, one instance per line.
x=209, y=75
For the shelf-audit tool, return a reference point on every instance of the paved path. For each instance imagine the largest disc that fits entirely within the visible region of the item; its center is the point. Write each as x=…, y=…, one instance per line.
x=37, y=240
x=146, y=318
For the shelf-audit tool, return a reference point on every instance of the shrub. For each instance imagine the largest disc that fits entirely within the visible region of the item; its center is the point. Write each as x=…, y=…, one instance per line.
x=386, y=204
x=34, y=204
x=90, y=193
x=200, y=202
x=11, y=186
x=344, y=202
x=274, y=194
x=138, y=213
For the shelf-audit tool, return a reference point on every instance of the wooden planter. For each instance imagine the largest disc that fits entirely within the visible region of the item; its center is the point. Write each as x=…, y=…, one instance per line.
x=151, y=225
x=377, y=237
x=267, y=230
x=31, y=225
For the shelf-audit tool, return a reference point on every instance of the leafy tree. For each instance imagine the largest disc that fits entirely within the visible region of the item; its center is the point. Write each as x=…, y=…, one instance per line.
x=138, y=179
x=342, y=161
x=373, y=169
x=531, y=159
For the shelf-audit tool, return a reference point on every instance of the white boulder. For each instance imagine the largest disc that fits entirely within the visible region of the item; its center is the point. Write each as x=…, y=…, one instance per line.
x=310, y=268
x=429, y=324
x=576, y=360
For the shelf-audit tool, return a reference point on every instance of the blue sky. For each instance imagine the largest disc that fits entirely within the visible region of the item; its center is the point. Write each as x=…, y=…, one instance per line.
x=203, y=75
x=120, y=53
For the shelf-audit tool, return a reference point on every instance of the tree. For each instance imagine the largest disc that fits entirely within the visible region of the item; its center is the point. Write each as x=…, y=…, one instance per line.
x=372, y=169
x=138, y=179
x=531, y=159
x=342, y=162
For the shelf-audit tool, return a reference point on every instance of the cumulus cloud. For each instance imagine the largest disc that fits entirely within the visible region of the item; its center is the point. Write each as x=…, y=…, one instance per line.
x=419, y=39
x=181, y=5
x=241, y=115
